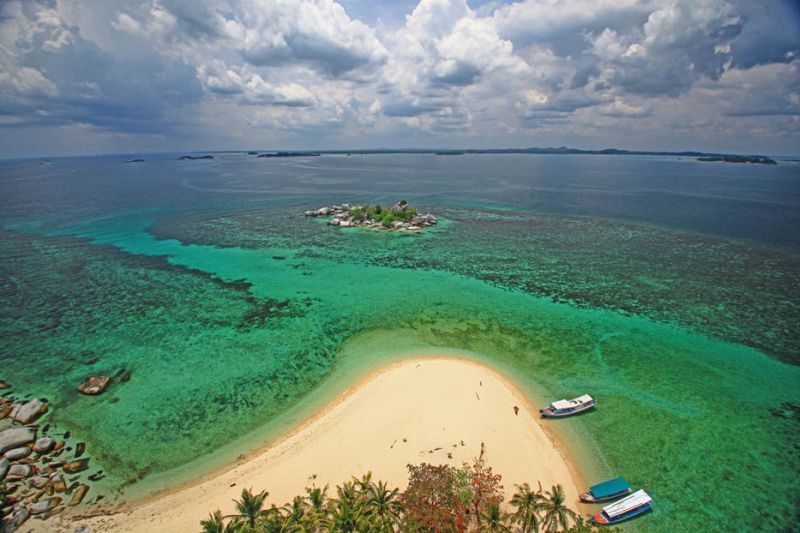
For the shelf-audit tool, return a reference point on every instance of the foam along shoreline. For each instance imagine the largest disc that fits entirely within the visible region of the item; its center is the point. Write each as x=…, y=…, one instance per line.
x=413, y=411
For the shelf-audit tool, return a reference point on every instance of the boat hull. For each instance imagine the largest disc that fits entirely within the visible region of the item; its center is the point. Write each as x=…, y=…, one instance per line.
x=602, y=520
x=588, y=498
x=550, y=413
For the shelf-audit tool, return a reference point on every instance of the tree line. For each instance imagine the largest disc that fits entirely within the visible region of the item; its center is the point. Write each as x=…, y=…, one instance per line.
x=438, y=498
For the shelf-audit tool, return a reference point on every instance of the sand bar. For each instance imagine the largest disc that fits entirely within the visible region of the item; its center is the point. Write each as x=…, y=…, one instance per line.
x=413, y=411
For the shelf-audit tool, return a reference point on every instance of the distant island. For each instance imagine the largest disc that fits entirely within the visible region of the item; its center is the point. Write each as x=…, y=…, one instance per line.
x=194, y=157
x=137, y=160
x=756, y=159
x=290, y=154
x=562, y=150
x=400, y=216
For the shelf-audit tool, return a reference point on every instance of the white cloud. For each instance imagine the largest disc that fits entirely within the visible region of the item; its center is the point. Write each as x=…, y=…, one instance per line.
x=566, y=69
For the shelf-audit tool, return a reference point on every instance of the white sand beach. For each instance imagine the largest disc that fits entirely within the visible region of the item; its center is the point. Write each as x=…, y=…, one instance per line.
x=434, y=410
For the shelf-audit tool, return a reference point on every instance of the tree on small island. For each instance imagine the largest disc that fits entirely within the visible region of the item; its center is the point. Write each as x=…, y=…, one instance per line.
x=400, y=212
x=438, y=498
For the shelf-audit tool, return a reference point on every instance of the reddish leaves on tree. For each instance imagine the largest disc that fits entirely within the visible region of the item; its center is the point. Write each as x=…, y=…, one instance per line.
x=485, y=486
x=431, y=501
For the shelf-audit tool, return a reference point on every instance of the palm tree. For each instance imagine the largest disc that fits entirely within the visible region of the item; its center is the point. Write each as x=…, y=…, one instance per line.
x=556, y=513
x=317, y=513
x=385, y=505
x=317, y=497
x=494, y=519
x=528, y=504
x=250, y=507
x=294, y=514
x=365, y=483
x=214, y=523
x=584, y=526
x=347, y=510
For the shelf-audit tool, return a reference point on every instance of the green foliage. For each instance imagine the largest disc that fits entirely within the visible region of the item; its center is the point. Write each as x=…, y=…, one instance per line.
x=492, y=518
x=215, y=523
x=582, y=526
x=359, y=213
x=382, y=215
x=250, y=507
x=527, y=504
x=556, y=513
x=438, y=499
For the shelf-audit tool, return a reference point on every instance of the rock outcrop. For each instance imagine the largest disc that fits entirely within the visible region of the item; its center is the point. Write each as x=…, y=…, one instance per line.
x=94, y=385
x=73, y=467
x=28, y=412
x=33, y=471
x=44, y=445
x=15, y=437
x=16, y=454
x=78, y=495
x=42, y=506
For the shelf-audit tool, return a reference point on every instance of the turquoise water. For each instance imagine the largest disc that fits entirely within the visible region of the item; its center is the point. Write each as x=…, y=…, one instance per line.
x=570, y=274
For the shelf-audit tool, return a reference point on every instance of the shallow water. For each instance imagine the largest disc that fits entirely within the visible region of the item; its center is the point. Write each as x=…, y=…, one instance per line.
x=668, y=288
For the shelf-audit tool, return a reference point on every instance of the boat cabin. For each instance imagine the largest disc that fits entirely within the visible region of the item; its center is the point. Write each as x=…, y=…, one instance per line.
x=637, y=503
x=568, y=407
x=606, y=491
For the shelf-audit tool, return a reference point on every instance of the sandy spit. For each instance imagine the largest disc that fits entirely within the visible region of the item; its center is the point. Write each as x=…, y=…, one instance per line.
x=434, y=409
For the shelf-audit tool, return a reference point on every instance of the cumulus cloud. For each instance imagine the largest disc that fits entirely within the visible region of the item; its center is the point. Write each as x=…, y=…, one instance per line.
x=226, y=81
x=317, y=33
x=324, y=72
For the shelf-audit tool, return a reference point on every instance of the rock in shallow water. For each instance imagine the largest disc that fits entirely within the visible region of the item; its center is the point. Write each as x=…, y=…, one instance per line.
x=78, y=496
x=74, y=467
x=17, y=518
x=58, y=483
x=16, y=454
x=39, y=482
x=28, y=412
x=42, y=506
x=44, y=445
x=94, y=385
x=19, y=471
x=15, y=437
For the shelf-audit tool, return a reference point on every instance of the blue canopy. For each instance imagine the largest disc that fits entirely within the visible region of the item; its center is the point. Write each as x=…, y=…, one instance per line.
x=609, y=488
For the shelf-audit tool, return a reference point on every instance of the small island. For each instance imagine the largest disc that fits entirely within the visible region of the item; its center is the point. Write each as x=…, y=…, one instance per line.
x=401, y=216
x=194, y=157
x=756, y=159
x=290, y=154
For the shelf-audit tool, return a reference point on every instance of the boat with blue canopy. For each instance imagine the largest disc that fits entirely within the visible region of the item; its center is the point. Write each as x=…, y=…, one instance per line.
x=561, y=408
x=634, y=505
x=606, y=491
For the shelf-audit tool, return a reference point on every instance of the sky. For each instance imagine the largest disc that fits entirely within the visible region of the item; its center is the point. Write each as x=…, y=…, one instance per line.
x=124, y=76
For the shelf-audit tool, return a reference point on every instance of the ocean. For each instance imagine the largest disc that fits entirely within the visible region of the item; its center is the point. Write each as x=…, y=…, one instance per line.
x=666, y=287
